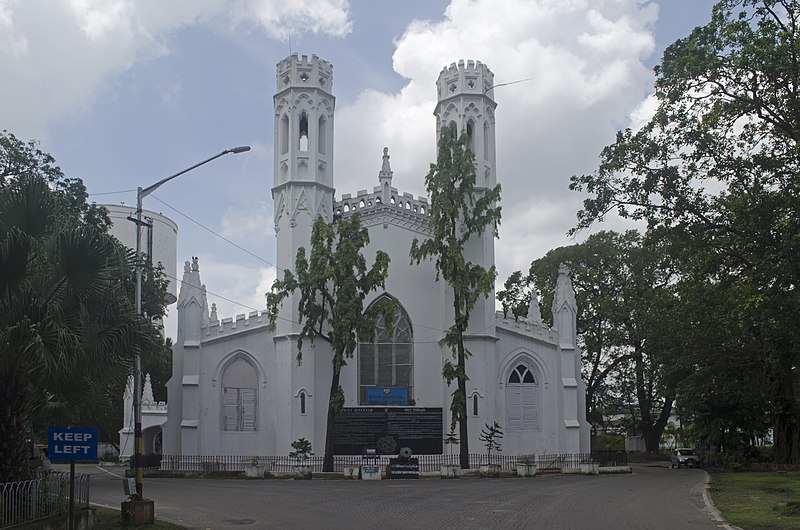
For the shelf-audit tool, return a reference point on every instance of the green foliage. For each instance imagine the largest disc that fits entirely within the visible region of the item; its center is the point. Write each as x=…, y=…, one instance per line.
x=459, y=212
x=515, y=297
x=491, y=435
x=625, y=299
x=757, y=500
x=302, y=450
x=66, y=322
x=333, y=282
x=716, y=169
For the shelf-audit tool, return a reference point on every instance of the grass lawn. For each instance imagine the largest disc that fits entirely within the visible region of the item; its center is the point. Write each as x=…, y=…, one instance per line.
x=758, y=501
x=108, y=518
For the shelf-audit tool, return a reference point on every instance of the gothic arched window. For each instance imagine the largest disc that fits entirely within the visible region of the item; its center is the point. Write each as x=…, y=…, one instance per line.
x=388, y=361
x=522, y=403
x=303, y=132
x=471, y=134
x=284, y=134
x=322, y=135
x=239, y=396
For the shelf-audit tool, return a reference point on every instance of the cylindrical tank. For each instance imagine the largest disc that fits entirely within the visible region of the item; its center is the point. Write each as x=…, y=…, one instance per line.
x=161, y=241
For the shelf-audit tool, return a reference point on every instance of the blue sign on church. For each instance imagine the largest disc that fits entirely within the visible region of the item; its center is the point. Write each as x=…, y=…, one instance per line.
x=394, y=396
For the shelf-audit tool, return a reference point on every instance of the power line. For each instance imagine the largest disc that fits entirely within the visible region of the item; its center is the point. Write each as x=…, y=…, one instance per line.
x=201, y=225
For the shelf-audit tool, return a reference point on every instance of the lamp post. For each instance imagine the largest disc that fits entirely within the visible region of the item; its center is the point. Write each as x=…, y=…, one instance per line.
x=141, y=193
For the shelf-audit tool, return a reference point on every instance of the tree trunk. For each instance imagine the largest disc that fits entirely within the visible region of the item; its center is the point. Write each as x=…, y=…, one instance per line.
x=786, y=419
x=327, y=459
x=463, y=432
x=14, y=451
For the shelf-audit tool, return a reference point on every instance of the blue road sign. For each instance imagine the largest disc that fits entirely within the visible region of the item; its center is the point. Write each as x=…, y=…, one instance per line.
x=71, y=443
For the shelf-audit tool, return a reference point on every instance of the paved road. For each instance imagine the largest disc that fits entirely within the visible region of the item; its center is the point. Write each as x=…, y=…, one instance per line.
x=652, y=497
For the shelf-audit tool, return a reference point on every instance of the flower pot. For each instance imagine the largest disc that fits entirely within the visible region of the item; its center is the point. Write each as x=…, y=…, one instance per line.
x=451, y=471
x=135, y=513
x=490, y=470
x=255, y=471
x=526, y=470
x=302, y=472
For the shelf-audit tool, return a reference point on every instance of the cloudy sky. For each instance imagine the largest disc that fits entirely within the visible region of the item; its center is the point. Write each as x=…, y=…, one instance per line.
x=125, y=92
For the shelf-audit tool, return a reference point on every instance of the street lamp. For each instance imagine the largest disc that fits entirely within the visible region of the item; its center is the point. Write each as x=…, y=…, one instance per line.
x=141, y=193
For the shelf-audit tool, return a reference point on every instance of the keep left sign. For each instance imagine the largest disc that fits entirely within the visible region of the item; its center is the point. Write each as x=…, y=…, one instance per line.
x=71, y=443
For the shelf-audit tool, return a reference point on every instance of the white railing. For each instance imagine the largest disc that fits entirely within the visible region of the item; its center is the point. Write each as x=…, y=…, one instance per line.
x=45, y=496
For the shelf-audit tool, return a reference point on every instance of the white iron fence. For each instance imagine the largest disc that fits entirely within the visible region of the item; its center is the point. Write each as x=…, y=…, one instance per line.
x=44, y=496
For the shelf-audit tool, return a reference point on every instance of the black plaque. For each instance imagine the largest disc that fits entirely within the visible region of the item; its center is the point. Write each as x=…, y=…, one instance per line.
x=402, y=468
x=387, y=429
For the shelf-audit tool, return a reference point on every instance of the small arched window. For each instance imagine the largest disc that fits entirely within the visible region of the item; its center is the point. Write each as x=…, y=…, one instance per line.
x=346, y=208
x=361, y=203
x=393, y=200
x=475, y=404
x=302, y=402
x=303, y=132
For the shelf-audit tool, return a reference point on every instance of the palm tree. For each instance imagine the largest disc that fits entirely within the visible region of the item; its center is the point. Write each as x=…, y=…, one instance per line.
x=65, y=319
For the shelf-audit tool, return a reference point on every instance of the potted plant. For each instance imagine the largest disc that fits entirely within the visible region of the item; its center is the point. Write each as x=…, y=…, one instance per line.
x=301, y=454
x=526, y=466
x=450, y=469
x=491, y=436
x=137, y=510
x=256, y=469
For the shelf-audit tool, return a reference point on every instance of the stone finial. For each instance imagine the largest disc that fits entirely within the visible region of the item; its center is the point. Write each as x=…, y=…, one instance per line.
x=147, y=393
x=214, y=312
x=534, y=313
x=195, y=264
x=386, y=168
x=186, y=269
x=564, y=292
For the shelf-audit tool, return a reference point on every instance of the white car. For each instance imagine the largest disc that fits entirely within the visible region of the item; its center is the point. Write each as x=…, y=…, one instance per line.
x=684, y=457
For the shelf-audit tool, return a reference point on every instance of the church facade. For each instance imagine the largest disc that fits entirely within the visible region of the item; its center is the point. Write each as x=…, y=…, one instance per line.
x=236, y=386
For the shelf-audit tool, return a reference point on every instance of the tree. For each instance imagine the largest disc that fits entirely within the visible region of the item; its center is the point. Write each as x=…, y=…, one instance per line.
x=333, y=282
x=515, y=297
x=66, y=320
x=717, y=166
x=623, y=293
x=490, y=436
x=459, y=212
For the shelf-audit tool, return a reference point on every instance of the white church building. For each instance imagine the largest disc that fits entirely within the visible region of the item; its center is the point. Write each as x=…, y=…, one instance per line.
x=236, y=386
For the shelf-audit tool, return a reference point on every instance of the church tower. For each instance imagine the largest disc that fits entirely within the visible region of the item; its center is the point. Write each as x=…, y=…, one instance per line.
x=465, y=102
x=303, y=180
x=302, y=191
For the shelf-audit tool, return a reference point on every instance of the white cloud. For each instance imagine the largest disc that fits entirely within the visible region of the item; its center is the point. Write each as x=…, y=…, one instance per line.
x=249, y=220
x=282, y=19
x=587, y=64
x=61, y=53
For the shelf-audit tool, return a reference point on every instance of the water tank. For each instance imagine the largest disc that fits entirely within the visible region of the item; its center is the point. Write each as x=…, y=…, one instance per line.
x=161, y=240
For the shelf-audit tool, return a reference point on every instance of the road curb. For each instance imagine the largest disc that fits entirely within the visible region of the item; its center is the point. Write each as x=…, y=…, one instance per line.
x=712, y=509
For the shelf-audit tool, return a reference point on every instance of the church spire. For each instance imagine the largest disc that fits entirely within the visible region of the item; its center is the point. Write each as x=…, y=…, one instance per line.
x=385, y=177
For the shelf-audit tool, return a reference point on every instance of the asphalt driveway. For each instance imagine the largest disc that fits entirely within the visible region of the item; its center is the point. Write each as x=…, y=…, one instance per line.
x=652, y=497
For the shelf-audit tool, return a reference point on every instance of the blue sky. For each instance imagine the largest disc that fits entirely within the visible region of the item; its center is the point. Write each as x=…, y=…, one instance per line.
x=125, y=92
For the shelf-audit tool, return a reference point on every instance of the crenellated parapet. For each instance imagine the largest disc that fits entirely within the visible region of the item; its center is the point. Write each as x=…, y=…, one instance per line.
x=470, y=77
x=303, y=72
x=528, y=327
x=385, y=204
x=230, y=326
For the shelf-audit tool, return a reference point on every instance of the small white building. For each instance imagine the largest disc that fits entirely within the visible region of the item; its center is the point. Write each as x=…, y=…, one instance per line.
x=237, y=388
